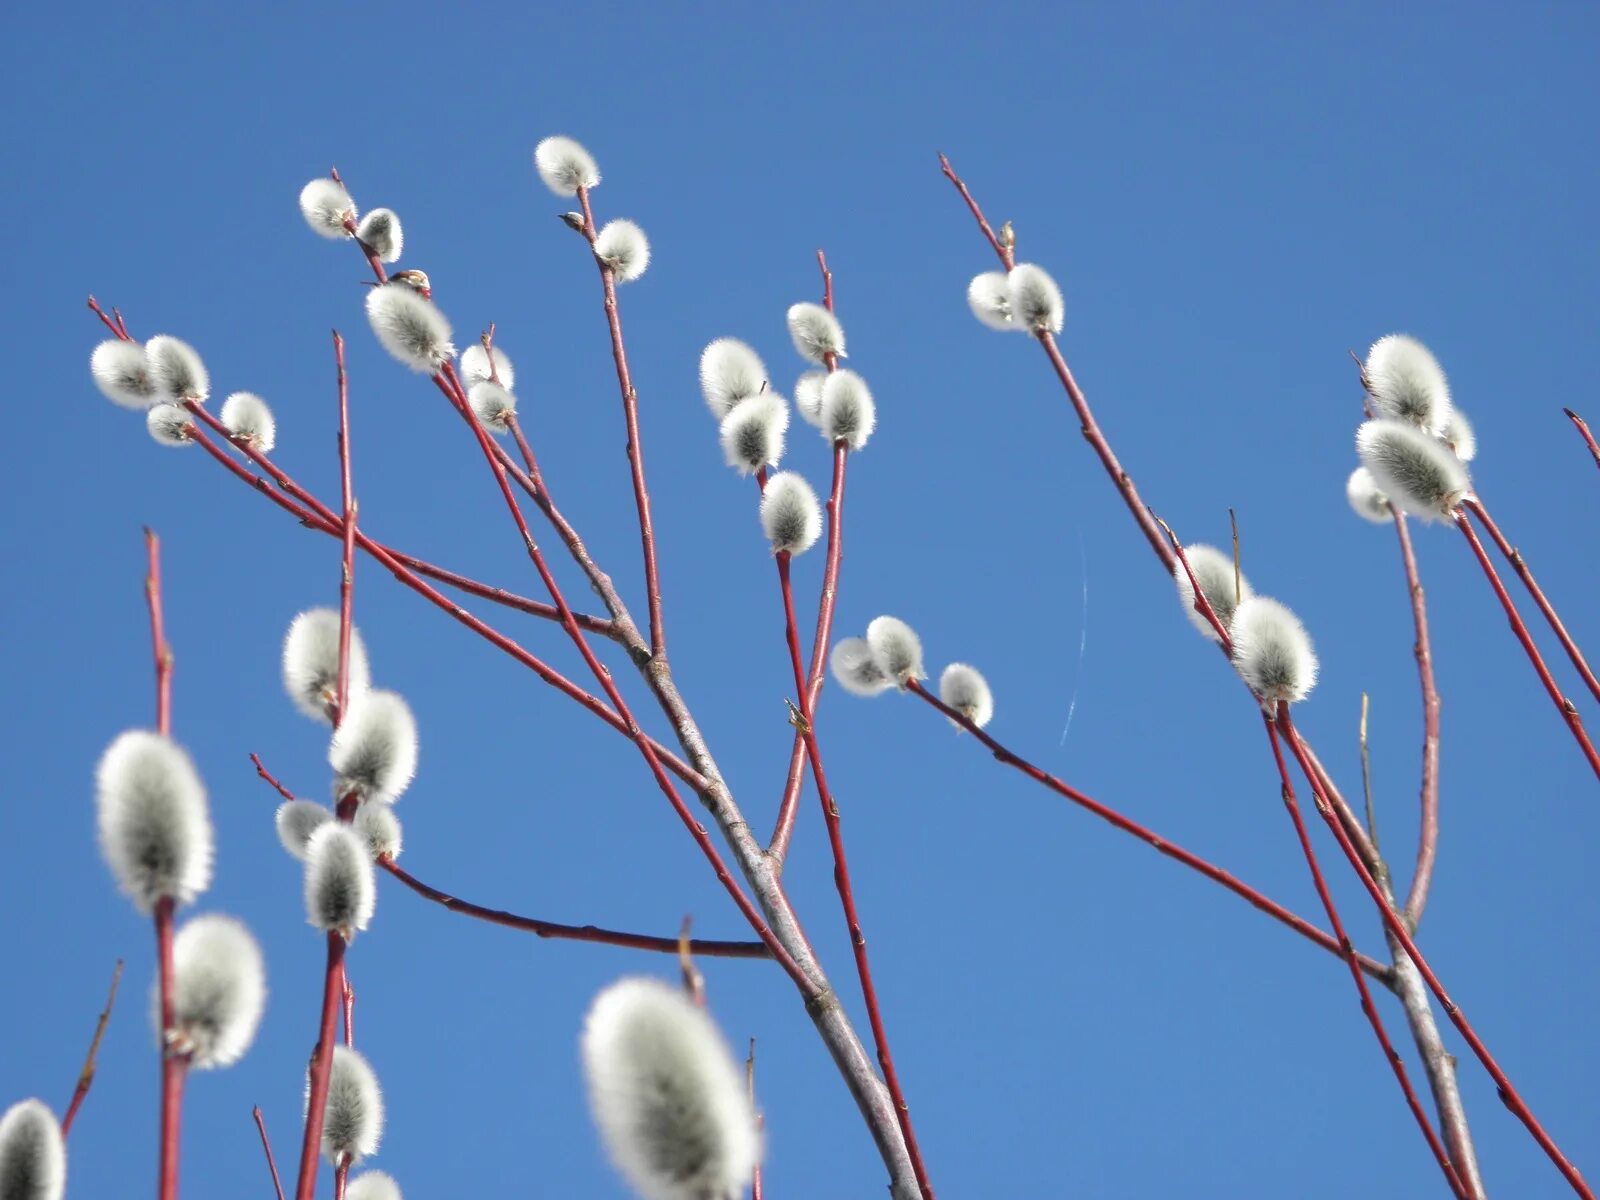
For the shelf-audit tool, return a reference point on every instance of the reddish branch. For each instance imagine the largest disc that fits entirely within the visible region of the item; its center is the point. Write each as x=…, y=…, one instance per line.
x=1552, y=618
x=1396, y=927
x=158, y=636
x=86, y=1076
x=266, y=1147
x=1567, y=709
x=321, y=1058
x=1428, y=832
x=1582, y=427
x=348, y=529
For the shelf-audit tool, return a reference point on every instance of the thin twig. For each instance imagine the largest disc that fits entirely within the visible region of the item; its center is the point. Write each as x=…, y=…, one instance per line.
x=266, y=1147
x=750, y=1092
x=1428, y=787
x=1366, y=774
x=347, y=523
x=86, y=1076
x=1582, y=427
x=158, y=637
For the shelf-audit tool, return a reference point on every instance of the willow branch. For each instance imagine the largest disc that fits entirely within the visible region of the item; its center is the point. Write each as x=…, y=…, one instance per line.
x=1582, y=427
x=1428, y=832
x=86, y=1076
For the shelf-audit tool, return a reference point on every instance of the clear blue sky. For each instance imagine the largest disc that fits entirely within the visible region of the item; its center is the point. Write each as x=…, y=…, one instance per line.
x=1232, y=196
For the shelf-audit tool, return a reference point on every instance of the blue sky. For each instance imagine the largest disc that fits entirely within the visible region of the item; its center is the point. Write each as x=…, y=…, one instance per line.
x=1231, y=197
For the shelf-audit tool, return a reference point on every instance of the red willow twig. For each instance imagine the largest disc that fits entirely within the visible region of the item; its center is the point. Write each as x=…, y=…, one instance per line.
x=158, y=637
x=1428, y=787
x=1582, y=427
x=630, y=410
x=1396, y=926
x=266, y=1147
x=86, y=1076
x=1520, y=566
x=1367, y=1007
x=1567, y=709
x=348, y=525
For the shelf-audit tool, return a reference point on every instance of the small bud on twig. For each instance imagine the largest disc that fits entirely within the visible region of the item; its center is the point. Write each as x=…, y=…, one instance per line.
x=373, y=1185
x=1272, y=651
x=622, y=246
x=752, y=432
x=475, y=366
x=311, y=662
x=730, y=372
x=1214, y=571
x=297, y=820
x=340, y=891
x=565, y=166
x=326, y=207
x=374, y=749
x=848, y=412
x=896, y=649
x=855, y=668
x=816, y=332
x=808, y=396
x=121, y=371
x=33, y=1155
x=1367, y=498
x=790, y=514
x=1406, y=383
x=219, y=987
x=352, y=1125
x=989, y=297
x=380, y=232
x=176, y=370
x=249, y=419
x=1459, y=435
x=966, y=691
x=409, y=326
x=155, y=832
x=377, y=823
x=1036, y=303
x=1414, y=469
x=169, y=424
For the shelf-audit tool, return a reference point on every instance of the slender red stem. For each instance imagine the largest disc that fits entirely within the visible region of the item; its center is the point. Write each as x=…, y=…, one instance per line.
x=266, y=1147
x=118, y=329
x=1582, y=427
x=341, y=1176
x=174, y=1066
x=761, y=1124
x=86, y=1076
x=1552, y=618
x=1509, y=1096
x=1568, y=710
x=630, y=411
x=321, y=1061
x=347, y=573
x=847, y=899
x=1428, y=831
x=348, y=994
x=158, y=636
x=1348, y=954
x=1152, y=839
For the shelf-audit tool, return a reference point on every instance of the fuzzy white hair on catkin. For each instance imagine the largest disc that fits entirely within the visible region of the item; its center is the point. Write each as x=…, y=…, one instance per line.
x=752, y=432
x=352, y=1123
x=1406, y=383
x=856, y=670
x=373, y=1185
x=816, y=332
x=964, y=689
x=989, y=297
x=376, y=822
x=311, y=662
x=1036, y=303
x=565, y=166
x=1214, y=571
x=896, y=649
x=296, y=821
x=622, y=246
x=169, y=425
x=341, y=893
x=410, y=327
x=33, y=1154
x=176, y=370
x=1414, y=469
x=154, y=829
x=325, y=205
x=380, y=232
x=848, y=412
x=493, y=405
x=808, y=396
x=248, y=418
x=668, y=1098
x=791, y=517
x=1459, y=435
x=475, y=367
x=374, y=749
x=1272, y=651
x=730, y=372
x=219, y=988
x=121, y=371
x=1366, y=498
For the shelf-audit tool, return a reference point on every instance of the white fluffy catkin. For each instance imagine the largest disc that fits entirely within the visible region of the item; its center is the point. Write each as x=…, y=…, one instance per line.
x=374, y=749
x=989, y=297
x=565, y=166
x=808, y=396
x=341, y=893
x=816, y=332
x=790, y=515
x=380, y=232
x=1272, y=651
x=311, y=662
x=325, y=205
x=752, y=432
x=730, y=372
x=1407, y=383
x=1366, y=498
x=848, y=413
x=296, y=821
x=493, y=405
x=377, y=823
x=248, y=418
x=1036, y=303
x=896, y=649
x=622, y=246
x=169, y=424
x=352, y=1125
x=33, y=1155
x=121, y=371
x=965, y=690
x=856, y=670
x=219, y=987
x=1414, y=469
x=667, y=1096
x=475, y=366
x=176, y=370
x=1214, y=571
x=1460, y=436
x=410, y=327
x=155, y=831
x=372, y=1185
